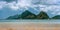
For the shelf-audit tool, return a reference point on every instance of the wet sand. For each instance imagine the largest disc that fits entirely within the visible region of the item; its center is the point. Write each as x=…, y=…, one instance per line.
x=28, y=26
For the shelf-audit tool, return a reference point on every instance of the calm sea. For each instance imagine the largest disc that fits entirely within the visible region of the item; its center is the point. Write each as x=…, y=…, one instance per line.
x=57, y=21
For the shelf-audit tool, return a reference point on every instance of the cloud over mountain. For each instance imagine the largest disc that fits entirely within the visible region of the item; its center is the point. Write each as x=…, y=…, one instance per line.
x=52, y=6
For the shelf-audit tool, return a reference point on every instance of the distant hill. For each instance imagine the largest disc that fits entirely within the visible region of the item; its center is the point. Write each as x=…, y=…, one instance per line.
x=24, y=15
x=28, y=15
x=56, y=17
x=14, y=17
x=42, y=15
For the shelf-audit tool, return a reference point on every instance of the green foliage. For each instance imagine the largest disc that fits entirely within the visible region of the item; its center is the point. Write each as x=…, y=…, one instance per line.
x=56, y=17
x=29, y=15
x=14, y=17
x=42, y=15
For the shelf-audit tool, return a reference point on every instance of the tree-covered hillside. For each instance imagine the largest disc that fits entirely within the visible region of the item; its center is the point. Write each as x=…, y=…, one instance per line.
x=56, y=17
x=28, y=15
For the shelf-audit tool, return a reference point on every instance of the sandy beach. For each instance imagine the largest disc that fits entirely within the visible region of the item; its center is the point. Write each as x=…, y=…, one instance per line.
x=28, y=26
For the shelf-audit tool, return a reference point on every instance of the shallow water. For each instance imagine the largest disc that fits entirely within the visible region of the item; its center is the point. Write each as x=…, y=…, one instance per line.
x=52, y=21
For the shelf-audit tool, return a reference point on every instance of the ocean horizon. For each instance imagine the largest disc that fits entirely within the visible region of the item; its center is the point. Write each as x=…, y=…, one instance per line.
x=57, y=21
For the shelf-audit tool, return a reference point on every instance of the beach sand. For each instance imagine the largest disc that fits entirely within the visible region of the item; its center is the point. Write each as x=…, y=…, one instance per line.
x=28, y=26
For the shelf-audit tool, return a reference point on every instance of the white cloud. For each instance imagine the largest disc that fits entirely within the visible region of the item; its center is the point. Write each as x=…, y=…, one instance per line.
x=58, y=13
x=50, y=2
x=54, y=9
x=28, y=3
x=1, y=7
x=13, y=6
x=43, y=8
x=19, y=4
x=2, y=4
x=23, y=3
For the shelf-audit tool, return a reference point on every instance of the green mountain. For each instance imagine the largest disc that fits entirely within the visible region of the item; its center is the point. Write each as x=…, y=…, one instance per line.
x=56, y=17
x=14, y=17
x=42, y=15
x=28, y=15
x=24, y=15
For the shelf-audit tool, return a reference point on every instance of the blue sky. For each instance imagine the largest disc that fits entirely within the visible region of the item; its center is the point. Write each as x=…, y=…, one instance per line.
x=13, y=7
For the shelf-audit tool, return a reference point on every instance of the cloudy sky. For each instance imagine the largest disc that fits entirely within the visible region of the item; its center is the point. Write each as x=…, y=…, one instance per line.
x=13, y=7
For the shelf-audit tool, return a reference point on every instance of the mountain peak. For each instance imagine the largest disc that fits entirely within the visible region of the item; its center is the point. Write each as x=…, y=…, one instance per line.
x=42, y=15
x=27, y=15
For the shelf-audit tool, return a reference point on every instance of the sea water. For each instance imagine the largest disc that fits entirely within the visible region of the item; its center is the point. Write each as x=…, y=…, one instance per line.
x=57, y=21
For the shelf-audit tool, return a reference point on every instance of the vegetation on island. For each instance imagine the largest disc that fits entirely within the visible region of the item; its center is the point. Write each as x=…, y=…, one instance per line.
x=28, y=15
